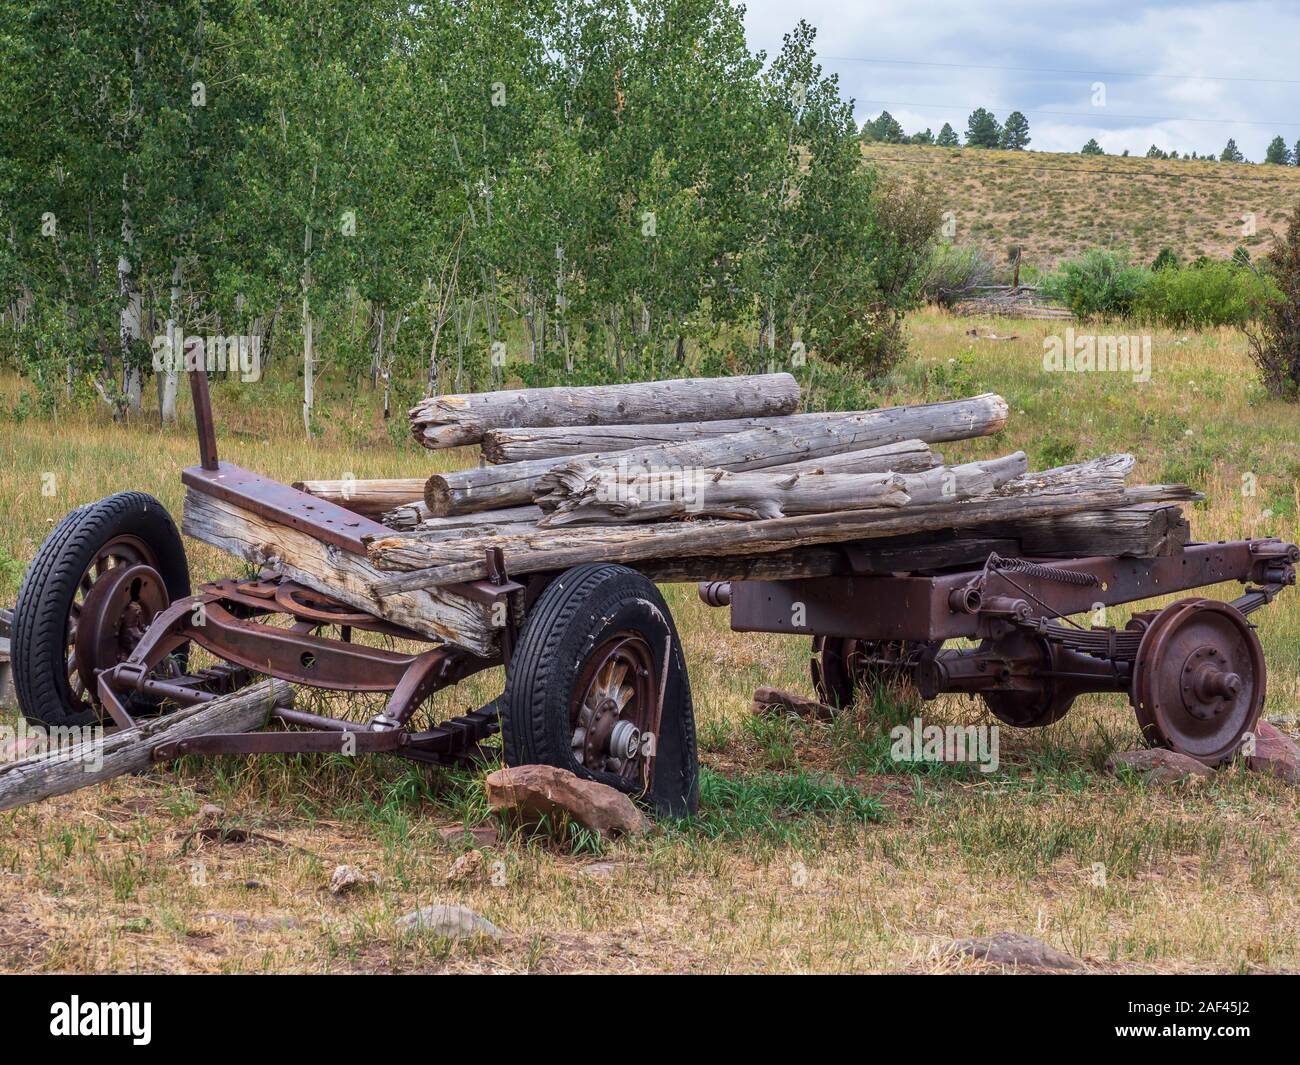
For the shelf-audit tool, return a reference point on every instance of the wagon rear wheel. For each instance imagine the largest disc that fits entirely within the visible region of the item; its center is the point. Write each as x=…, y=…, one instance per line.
x=597, y=685
x=92, y=589
x=1199, y=679
x=841, y=665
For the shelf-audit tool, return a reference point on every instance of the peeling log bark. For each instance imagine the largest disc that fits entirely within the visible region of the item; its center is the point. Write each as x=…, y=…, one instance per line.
x=527, y=444
x=1088, y=486
x=131, y=750
x=450, y=421
x=607, y=497
x=514, y=484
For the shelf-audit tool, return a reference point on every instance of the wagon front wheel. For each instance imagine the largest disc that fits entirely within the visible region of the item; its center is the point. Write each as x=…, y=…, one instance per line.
x=598, y=686
x=94, y=586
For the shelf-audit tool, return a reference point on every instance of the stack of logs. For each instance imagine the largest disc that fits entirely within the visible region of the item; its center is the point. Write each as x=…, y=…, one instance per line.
x=712, y=479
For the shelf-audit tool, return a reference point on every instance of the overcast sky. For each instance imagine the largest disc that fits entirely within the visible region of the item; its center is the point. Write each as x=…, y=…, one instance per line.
x=1235, y=61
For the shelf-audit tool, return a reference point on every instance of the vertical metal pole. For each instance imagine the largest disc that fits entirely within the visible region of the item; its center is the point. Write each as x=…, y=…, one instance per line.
x=203, y=411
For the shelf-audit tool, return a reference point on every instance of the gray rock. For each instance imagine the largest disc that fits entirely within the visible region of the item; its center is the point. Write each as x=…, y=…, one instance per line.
x=1015, y=951
x=451, y=921
x=1159, y=766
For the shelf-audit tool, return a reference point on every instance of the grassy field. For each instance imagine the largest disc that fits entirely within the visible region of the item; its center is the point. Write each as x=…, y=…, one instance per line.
x=1058, y=205
x=813, y=850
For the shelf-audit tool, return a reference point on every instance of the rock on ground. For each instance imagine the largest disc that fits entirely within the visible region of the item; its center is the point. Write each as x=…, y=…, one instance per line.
x=1275, y=752
x=776, y=701
x=1016, y=951
x=1159, y=766
x=544, y=791
x=451, y=921
x=347, y=878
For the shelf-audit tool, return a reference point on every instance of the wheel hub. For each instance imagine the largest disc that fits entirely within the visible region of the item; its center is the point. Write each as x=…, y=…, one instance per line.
x=118, y=609
x=614, y=701
x=1199, y=679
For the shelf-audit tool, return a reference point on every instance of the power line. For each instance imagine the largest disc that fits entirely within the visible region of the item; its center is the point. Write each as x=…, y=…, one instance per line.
x=1097, y=113
x=1057, y=70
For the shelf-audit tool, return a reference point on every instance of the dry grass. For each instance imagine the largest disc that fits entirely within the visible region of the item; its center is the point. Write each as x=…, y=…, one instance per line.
x=1058, y=205
x=813, y=852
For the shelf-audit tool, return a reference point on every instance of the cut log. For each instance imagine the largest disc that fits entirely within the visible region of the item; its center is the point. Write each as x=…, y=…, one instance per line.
x=335, y=572
x=417, y=516
x=907, y=456
x=1148, y=530
x=130, y=750
x=606, y=497
x=450, y=421
x=525, y=445
x=1088, y=486
x=368, y=497
x=517, y=483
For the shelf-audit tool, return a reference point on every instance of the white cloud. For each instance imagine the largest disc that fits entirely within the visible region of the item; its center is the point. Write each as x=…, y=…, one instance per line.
x=1058, y=46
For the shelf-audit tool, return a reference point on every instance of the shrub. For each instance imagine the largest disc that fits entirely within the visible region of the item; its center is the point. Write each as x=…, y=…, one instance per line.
x=1098, y=284
x=1164, y=260
x=952, y=270
x=1219, y=293
x=1275, y=339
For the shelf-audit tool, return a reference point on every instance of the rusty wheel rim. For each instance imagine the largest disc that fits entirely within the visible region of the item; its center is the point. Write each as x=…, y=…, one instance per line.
x=118, y=553
x=613, y=710
x=1199, y=679
x=842, y=664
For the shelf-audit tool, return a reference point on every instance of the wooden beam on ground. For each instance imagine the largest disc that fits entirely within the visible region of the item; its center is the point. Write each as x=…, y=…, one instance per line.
x=61, y=770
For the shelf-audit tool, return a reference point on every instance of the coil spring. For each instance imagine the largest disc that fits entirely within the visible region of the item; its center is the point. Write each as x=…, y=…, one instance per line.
x=1042, y=573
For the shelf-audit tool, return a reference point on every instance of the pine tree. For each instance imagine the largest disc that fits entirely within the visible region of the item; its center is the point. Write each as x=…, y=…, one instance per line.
x=1295, y=154
x=1155, y=153
x=982, y=129
x=1091, y=148
x=1230, y=153
x=947, y=137
x=1278, y=153
x=884, y=130
x=1015, y=134
x=922, y=138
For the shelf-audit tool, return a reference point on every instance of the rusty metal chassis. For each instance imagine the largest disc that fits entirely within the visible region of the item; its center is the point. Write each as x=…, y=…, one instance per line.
x=1014, y=607
x=230, y=619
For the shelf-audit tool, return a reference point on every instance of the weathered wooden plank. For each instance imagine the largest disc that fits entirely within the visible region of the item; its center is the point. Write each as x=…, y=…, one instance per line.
x=57, y=772
x=339, y=573
x=517, y=483
x=450, y=421
x=1148, y=530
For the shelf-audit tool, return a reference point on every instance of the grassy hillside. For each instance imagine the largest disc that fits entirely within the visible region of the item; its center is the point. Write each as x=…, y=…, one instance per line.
x=813, y=851
x=1056, y=205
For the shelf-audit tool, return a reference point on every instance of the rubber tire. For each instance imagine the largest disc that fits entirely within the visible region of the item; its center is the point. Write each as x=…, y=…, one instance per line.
x=50, y=584
x=576, y=613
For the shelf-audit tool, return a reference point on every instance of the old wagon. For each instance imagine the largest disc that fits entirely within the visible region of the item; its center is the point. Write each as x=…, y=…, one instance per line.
x=596, y=681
